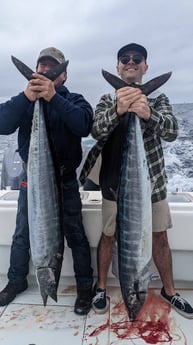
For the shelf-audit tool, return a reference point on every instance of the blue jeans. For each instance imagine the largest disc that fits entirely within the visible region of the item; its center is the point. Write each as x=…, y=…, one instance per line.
x=73, y=231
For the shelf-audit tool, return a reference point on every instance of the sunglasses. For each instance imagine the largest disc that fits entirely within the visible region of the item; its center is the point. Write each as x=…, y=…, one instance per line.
x=137, y=59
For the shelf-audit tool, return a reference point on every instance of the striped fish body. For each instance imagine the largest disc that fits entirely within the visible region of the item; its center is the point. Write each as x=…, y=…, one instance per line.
x=134, y=220
x=46, y=238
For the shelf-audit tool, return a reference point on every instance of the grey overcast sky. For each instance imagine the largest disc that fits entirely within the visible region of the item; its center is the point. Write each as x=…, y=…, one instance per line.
x=90, y=32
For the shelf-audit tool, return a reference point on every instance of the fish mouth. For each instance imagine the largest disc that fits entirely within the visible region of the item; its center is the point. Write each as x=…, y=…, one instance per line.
x=47, y=283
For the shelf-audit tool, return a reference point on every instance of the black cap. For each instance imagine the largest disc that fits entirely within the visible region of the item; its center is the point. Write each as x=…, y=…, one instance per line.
x=132, y=47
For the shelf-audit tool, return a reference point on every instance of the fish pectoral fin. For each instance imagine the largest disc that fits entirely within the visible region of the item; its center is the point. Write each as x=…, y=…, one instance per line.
x=135, y=300
x=55, y=265
x=141, y=295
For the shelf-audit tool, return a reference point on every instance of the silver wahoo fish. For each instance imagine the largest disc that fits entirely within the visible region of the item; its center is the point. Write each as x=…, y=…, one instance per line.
x=134, y=209
x=44, y=195
x=44, y=202
x=134, y=220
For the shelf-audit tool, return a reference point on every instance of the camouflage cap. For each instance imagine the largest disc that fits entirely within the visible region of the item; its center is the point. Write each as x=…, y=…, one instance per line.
x=53, y=53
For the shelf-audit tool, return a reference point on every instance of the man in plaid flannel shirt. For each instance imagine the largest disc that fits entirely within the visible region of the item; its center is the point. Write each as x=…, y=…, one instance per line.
x=157, y=123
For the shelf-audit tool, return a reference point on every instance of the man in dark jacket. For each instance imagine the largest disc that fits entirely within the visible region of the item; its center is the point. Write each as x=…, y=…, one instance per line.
x=70, y=117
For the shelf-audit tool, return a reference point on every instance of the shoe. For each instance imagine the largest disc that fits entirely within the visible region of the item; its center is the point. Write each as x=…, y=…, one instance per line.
x=178, y=303
x=83, y=301
x=8, y=294
x=100, y=303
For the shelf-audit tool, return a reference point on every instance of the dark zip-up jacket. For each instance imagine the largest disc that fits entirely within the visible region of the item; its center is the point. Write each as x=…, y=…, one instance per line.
x=69, y=116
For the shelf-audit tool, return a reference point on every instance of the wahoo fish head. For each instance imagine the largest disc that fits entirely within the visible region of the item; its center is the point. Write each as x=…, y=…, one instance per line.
x=47, y=284
x=48, y=278
x=135, y=297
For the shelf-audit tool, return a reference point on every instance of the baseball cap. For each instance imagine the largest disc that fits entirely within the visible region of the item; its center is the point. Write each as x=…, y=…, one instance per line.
x=132, y=47
x=53, y=53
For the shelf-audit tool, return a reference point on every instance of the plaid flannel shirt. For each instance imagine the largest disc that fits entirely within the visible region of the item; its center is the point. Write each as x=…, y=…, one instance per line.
x=161, y=126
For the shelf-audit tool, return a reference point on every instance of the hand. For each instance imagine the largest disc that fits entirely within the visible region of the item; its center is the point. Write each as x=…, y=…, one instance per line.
x=29, y=93
x=131, y=99
x=126, y=96
x=141, y=108
x=40, y=87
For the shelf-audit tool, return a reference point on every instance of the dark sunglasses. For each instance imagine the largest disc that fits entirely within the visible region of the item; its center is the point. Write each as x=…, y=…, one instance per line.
x=137, y=59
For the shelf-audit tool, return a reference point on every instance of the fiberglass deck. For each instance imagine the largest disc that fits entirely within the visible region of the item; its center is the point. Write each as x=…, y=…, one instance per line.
x=27, y=322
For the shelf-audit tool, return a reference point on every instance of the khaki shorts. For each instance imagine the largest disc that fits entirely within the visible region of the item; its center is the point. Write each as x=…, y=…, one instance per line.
x=161, y=217
x=94, y=174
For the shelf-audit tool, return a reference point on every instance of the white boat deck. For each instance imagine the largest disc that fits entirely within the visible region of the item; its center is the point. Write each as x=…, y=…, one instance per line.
x=27, y=322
